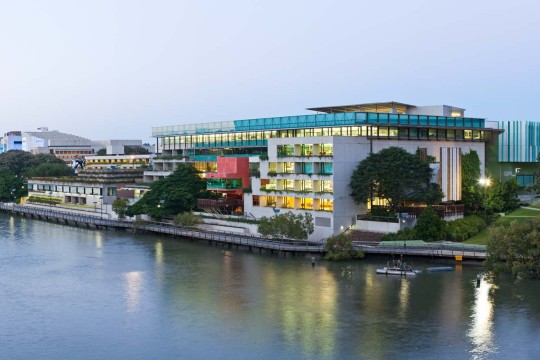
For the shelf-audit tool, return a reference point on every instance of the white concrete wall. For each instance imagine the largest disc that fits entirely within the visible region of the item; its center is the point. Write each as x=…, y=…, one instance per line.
x=377, y=226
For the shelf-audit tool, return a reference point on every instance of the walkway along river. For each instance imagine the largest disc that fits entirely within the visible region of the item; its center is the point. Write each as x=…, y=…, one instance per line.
x=244, y=240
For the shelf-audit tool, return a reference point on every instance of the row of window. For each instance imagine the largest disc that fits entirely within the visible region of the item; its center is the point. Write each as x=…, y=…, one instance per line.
x=66, y=189
x=260, y=138
x=319, y=120
x=289, y=202
x=83, y=190
x=73, y=152
x=298, y=185
x=318, y=168
x=306, y=150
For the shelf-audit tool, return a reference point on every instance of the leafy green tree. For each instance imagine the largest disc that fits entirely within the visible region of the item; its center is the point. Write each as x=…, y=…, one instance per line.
x=340, y=247
x=101, y=152
x=119, y=206
x=503, y=196
x=11, y=186
x=429, y=226
x=135, y=150
x=287, y=225
x=172, y=195
x=464, y=228
x=515, y=249
x=472, y=194
x=187, y=219
x=395, y=175
x=49, y=169
x=18, y=162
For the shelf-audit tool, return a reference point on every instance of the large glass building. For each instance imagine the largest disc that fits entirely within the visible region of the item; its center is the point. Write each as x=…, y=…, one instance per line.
x=304, y=162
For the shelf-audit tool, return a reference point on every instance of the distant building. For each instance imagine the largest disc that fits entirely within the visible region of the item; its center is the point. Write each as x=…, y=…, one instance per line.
x=515, y=152
x=63, y=146
x=115, y=147
x=118, y=161
x=91, y=188
x=12, y=140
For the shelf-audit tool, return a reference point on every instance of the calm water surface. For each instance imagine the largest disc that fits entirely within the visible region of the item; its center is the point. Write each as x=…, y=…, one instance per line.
x=69, y=293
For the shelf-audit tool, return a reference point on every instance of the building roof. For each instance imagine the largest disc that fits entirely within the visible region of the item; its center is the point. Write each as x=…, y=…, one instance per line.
x=389, y=106
x=55, y=135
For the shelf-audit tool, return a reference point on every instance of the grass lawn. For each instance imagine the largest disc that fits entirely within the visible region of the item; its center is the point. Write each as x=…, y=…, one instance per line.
x=516, y=215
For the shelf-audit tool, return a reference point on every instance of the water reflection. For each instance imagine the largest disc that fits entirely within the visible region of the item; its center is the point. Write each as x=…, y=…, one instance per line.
x=133, y=282
x=404, y=294
x=306, y=303
x=99, y=239
x=481, y=329
x=159, y=252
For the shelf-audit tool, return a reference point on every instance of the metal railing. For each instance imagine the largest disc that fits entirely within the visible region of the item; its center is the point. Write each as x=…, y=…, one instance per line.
x=171, y=229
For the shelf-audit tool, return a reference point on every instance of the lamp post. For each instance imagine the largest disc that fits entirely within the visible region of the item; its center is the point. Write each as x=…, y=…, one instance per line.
x=101, y=207
x=485, y=182
x=50, y=199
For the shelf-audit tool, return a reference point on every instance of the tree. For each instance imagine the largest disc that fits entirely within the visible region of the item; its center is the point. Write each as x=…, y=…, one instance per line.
x=429, y=226
x=515, y=249
x=119, y=206
x=48, y=169
x=464, y=228
x=472, y=195
x=340, y=247
x=11, y=186
x=287, y=225
x=172, y=195
x=18, y=161
x=187, y=219
x=135, y=150
x=101, y=152
x=502, y=196
x=395, y=175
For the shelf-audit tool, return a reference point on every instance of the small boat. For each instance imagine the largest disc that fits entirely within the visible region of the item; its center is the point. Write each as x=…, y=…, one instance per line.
x=398, y=268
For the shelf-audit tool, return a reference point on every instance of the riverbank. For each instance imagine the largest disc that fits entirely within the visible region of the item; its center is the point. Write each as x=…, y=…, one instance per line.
x=228, y=239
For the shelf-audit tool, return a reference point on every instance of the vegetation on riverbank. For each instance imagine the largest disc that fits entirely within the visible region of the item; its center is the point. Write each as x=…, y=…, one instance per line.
x=515, y=249
x=340, y=247
x=519, y=215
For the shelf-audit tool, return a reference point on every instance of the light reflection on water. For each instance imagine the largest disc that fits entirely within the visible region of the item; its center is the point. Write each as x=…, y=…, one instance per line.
x=143, y=297
x=481, y=326
x=133, y=285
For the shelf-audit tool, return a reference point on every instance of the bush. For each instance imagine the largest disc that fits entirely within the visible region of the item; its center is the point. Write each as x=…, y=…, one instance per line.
x=287, y=225
x=515, y=249
x=119, y=206
x=187, y=219
x=465, y=228
x=340, y=248
x=405, y=234
x=44, y=200
x=429, y=227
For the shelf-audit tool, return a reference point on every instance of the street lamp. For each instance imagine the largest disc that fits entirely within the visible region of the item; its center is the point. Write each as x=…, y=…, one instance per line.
x=485, y=182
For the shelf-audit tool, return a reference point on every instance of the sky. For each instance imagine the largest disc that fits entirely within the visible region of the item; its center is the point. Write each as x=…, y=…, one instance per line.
x=114, y=69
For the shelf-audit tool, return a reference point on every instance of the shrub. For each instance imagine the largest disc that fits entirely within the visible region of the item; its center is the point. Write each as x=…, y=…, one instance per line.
x=465, y=228
x=405, y=234
x=429, y=226
x=187, y=219
x=340, y=248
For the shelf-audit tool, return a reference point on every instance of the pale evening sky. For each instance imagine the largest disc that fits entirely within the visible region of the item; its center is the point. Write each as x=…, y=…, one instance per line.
x=107, y=69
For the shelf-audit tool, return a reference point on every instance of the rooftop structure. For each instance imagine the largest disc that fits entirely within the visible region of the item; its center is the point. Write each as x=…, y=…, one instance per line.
x=62, y=145
x=115, y=147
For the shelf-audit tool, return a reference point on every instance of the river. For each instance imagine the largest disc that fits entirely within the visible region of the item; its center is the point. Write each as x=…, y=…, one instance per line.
x=72, y=293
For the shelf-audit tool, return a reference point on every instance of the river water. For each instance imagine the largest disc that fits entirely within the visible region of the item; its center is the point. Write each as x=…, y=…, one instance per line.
x=71, y=293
